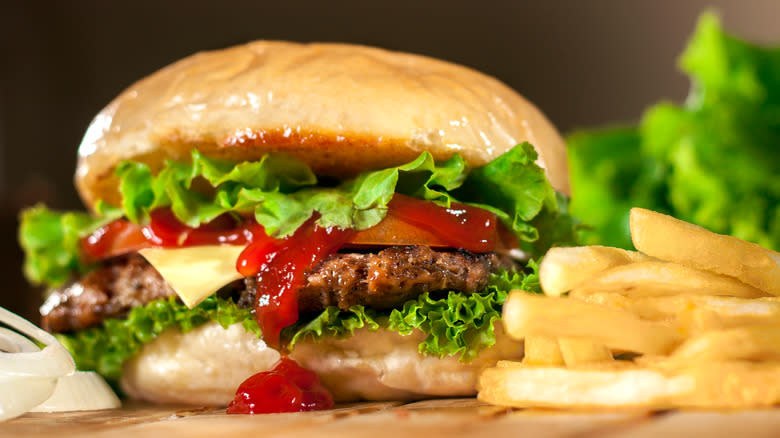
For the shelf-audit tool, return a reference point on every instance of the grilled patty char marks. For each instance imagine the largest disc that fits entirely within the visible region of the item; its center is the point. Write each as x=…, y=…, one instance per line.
x=382, y=281
x=389, y=278
x=108, y=292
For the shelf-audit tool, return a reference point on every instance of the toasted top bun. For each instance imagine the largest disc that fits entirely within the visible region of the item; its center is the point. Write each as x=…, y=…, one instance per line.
x=340, y=108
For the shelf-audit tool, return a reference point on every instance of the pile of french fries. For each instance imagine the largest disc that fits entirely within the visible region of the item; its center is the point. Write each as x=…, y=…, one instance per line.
x=690, y=320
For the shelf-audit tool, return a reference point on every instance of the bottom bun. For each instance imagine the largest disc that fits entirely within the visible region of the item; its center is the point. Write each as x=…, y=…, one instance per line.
x=206, y=365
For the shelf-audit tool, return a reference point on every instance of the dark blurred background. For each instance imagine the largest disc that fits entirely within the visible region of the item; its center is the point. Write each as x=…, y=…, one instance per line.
x=584, y=63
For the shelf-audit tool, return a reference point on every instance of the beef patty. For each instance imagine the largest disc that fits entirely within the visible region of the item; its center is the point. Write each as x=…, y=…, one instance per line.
x=382, y=281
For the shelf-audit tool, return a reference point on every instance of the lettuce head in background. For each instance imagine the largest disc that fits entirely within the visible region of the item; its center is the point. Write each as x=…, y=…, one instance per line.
x=713, y=161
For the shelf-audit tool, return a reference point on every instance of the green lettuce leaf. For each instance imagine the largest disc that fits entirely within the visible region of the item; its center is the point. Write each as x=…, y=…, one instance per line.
x=455, y=324
x=104, y=349
x=609, y=175
x=517, y=190
x=282, y=192
x=458, y=325
x=712, y=161
x=512, y=183
x=51, y=241
x=336, y=323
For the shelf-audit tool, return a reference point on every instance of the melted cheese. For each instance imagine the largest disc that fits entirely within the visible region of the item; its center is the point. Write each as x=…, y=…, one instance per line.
x=195, y=272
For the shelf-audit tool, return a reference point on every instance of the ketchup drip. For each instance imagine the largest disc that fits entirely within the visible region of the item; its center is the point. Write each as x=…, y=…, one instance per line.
x=164, y=230
x=279, y=266
x=461, y=226
x=286, y=388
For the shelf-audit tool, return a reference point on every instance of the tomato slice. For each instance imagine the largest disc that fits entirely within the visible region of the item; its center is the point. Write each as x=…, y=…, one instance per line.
x=115, y=238
x=394, y=231
x=460, y=226
x=165, y=231
x=409, y=221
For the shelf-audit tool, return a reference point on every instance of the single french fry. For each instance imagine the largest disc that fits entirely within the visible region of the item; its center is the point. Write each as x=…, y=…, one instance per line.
x=542, y=350
x=753, y=311
x=655, y=311
x=564, y=268
x=577, y=351
x=529, y=315
x=703, y=319
x=724, y=384
x=612, y=385
x=671, y=239
x=730, y=384
x=655, y=278
x=693, y=313
x=753, y=343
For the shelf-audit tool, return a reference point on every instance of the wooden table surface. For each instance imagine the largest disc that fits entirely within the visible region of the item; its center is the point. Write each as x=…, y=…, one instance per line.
x=449, y=417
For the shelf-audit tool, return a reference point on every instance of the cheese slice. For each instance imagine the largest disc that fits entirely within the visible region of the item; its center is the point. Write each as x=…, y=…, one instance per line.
x=195, y=272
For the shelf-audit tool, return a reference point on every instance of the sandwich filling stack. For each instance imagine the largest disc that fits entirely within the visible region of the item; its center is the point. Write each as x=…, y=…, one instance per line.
x=365, y=212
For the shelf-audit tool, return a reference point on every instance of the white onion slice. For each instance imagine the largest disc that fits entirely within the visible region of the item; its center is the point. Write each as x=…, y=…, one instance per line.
x=80, y=391
x=47, y=378
x=20, y=394
x=12, y=342
x=24, y=326
x=53, y=361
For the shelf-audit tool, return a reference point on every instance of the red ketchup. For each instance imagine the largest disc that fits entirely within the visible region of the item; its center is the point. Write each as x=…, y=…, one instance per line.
x=461, y=226
x=286, y=388
x=279, y=266
x=165, y=231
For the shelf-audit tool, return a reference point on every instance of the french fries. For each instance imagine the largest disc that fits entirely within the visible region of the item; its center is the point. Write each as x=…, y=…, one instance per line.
x=671, y=239
x=753, y=343
x=691, y=313
x=529, y=315
x=613, y=385
x=562, y=269
x=542, y=350
x=692, y=320
x=730, y=384
x=663, y=278
x=577, y=351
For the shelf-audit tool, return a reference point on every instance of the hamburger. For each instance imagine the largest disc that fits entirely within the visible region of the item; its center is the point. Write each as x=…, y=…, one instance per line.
x=363, y=211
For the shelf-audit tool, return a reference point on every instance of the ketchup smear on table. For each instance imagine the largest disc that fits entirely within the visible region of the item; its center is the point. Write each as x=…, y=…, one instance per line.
x=280, y=265
x=288, y=387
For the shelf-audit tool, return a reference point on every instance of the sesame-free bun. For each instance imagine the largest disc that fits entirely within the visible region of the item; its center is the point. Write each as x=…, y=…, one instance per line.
x=341, y=108
x=207, y=364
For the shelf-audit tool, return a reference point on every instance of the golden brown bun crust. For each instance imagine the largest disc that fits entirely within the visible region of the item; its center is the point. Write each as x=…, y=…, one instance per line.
x=341, y=108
